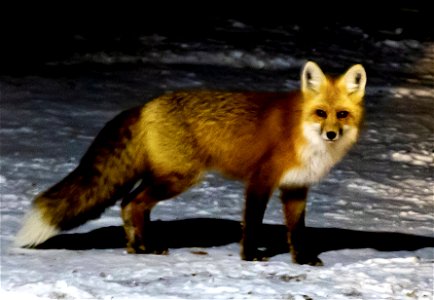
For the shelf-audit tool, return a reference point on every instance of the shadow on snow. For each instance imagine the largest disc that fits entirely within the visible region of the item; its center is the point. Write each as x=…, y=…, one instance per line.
x=203, y=232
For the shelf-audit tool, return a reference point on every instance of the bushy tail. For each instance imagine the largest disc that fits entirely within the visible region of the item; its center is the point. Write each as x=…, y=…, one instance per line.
x=35, y=230
x=106, y=172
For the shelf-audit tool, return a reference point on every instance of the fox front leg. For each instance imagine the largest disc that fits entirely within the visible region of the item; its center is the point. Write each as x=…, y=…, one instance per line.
x=294, y=208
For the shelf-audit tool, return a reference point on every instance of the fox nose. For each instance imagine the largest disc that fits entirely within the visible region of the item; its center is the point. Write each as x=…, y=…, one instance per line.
x=331, y=135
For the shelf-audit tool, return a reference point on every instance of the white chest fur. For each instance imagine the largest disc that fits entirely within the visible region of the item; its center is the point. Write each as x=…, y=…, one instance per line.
x=317, y=156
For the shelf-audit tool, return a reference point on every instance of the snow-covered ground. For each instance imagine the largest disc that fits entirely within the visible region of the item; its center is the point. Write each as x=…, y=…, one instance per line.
x=372, y=217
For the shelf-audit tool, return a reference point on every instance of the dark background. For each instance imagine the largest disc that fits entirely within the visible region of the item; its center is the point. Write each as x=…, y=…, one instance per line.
x=32, y=34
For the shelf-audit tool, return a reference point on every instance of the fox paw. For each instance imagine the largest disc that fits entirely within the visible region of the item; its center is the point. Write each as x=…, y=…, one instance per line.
x=311, y=260
x=255, y=255
x=148, y=249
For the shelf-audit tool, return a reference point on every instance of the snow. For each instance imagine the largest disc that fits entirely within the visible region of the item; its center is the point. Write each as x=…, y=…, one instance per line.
x=372, y=216
x=218, y=274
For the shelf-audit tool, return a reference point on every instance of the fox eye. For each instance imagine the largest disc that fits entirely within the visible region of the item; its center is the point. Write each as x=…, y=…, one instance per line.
x=321, y=113
x=342, y=114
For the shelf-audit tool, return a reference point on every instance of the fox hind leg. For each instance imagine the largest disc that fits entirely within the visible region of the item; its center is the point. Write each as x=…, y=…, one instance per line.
x=136, y=210
x=137, y=206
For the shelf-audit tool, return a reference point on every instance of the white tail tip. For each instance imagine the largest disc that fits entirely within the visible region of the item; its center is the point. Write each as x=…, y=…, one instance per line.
x=35, y=230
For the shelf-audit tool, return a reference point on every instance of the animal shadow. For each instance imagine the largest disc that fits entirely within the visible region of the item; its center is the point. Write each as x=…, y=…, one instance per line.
x=208, y=232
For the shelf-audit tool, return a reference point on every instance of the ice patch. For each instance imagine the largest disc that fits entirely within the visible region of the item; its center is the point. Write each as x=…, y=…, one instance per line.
x=401, y=92
x=373, y=188
x=257, y=59
x=16, y=130
x=423, y=158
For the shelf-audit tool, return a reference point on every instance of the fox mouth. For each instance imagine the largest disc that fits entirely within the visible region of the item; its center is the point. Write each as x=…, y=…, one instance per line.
x=330, y=141
x=330, y=137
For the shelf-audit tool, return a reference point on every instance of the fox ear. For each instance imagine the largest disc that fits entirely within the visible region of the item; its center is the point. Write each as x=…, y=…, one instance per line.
x=312, y=78
x=354, y=80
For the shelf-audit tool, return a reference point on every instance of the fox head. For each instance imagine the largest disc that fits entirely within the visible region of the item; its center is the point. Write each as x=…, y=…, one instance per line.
x=332, y=107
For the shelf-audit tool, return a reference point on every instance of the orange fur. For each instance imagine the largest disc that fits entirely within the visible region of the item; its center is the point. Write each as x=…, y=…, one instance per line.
x=268, y=140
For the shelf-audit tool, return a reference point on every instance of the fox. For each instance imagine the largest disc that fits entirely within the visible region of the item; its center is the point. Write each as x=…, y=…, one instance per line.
x=268, y=140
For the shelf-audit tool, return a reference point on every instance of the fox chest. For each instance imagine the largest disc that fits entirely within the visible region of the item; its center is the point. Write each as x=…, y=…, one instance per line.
x=315, y=163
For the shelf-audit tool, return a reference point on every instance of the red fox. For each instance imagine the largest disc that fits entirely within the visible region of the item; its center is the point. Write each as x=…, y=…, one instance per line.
x=268, y=140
